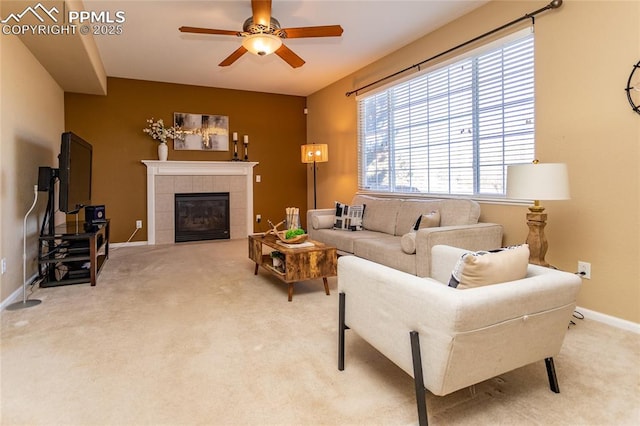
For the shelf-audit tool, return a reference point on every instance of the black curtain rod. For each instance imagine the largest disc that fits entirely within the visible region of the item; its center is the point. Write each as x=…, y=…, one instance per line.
x=553, y=5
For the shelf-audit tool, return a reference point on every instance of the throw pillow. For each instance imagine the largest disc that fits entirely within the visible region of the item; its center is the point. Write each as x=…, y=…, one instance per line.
x=408, y=242
x=429, y=220
x=322, y=222
x=348, y=218
x=475, y=269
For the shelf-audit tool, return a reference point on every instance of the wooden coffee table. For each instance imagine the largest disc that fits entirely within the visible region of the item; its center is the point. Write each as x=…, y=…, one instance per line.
x=300, y=263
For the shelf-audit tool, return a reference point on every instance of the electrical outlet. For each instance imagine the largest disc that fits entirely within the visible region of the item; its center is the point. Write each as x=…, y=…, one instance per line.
x=138, y=224
x=4, y=265
x=258, y=218
x=584, y=269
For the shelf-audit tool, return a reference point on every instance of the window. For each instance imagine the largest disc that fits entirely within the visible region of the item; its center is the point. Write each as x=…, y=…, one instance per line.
x=452, y=130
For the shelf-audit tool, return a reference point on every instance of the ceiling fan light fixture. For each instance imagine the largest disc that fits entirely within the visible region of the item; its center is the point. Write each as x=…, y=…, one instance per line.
x=262, y=44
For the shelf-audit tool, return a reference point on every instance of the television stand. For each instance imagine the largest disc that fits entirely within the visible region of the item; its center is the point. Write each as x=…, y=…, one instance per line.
x=70, y=256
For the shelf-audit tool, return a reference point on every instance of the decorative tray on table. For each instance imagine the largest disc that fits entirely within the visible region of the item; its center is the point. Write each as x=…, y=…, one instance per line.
x=299, y=240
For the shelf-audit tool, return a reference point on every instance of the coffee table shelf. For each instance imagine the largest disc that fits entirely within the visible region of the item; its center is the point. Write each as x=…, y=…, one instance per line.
x=300, y=264
x=270, y=268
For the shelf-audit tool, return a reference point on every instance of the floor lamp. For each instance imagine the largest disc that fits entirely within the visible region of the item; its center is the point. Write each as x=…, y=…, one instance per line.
x=537, y=181
x=33, y=302
x=314, y=153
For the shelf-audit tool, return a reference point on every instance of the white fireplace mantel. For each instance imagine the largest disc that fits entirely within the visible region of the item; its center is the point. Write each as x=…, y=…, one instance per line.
x=195, y=168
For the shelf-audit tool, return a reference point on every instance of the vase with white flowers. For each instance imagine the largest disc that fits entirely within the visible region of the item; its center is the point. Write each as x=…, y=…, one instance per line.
x=160, y=133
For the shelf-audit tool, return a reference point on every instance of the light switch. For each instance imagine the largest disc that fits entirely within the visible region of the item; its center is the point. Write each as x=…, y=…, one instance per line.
x=258, y=178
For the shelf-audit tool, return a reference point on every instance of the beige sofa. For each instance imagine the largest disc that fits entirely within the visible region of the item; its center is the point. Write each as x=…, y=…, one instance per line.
x=448, y=338
x=386, y=220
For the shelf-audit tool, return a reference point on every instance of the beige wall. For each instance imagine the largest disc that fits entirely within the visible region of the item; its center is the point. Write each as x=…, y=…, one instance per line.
x=32, y=121
x=113, y=125
x=584, y=54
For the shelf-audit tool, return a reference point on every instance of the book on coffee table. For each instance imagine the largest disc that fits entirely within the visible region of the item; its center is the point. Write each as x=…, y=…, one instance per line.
x=298, y=245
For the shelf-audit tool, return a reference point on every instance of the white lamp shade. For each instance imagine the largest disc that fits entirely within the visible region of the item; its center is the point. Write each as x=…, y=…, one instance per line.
x=548, y=181
x=262, y=44
x=318, y=152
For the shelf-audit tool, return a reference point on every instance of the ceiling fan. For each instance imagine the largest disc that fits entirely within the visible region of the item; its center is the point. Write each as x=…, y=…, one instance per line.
x=262, y=35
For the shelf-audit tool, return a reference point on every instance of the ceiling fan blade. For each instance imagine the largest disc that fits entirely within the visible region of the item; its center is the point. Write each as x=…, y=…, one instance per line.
x=321, y=31
x=289, y=57
x=197, y=30
x=261, y=12
x=233, y=57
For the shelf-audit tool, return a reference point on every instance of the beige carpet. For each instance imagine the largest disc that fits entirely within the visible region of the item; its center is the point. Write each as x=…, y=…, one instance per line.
x=186, y=334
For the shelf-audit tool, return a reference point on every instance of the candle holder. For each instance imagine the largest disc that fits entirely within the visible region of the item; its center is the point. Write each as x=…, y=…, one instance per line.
x=246, y=151
x=235, y=147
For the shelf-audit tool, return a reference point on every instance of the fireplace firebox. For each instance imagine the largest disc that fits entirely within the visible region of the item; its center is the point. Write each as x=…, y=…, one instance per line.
x=202, y=216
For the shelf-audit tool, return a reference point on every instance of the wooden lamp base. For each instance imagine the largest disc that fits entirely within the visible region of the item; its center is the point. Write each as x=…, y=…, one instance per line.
x=536, y=220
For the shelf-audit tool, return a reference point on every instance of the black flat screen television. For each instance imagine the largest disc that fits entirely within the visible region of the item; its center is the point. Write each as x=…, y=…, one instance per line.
x=74, y=173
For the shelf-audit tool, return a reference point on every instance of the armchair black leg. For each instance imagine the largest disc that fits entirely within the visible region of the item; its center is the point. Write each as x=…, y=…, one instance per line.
x=551, y=373
x=341, y=328
x=418, y=378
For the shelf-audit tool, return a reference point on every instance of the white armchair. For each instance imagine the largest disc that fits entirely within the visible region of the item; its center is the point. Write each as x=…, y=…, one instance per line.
x=448, y=338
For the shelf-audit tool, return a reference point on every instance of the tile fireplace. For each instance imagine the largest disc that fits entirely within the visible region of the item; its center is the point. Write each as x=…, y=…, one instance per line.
x=165, y=179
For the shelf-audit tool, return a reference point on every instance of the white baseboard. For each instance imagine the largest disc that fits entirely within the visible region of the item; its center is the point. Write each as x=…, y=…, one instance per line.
x=609, y=320
x=12, y=298
x=130, y=244
x=16, y=295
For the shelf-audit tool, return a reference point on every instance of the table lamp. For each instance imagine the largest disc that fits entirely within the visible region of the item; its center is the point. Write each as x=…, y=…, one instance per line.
x=314, y=153
x=537, y=181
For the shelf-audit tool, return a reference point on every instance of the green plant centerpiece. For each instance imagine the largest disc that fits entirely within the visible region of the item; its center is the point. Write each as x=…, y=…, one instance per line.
x=293, y=236
x=292, y=233
x=290, y=236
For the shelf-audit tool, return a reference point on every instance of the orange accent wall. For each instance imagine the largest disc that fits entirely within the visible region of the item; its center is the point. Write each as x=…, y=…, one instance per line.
x=113, y=125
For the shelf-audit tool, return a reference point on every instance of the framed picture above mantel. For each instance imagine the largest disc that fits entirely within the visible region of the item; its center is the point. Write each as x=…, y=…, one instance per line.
x=201, y=132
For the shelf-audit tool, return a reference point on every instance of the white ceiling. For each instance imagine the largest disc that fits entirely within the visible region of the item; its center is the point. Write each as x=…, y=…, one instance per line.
x=152, y=48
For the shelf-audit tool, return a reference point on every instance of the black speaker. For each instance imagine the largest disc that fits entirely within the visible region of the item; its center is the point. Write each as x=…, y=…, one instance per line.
x=44, y=178
x=94, y=214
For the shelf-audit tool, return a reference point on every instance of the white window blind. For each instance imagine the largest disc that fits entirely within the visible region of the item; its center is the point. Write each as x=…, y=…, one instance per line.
x=452, y=130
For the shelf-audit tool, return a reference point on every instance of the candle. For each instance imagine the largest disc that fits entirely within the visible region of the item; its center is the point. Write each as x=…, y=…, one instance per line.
x=235, y=136
x=246, y=138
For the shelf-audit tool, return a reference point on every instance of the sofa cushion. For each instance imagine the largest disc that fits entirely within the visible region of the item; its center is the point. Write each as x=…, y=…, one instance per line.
x=458, y=212
x=475, y=269
x=380, y=214
x=322, y=222
x=348, y=218
x=385, y=250
x=343, y=241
